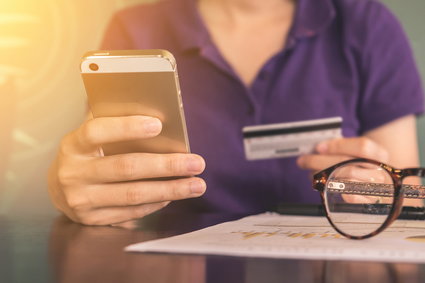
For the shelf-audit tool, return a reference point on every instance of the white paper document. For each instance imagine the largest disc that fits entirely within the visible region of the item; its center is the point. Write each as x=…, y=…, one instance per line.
x=302, y=237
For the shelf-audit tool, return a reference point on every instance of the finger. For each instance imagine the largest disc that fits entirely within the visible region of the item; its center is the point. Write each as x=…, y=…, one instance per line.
x=136, y=166
x=360, y=173
x=359, y=199
x=113, y=215
x=317, y=162
x=95, y=132
x=141, y=192
x=356, y=147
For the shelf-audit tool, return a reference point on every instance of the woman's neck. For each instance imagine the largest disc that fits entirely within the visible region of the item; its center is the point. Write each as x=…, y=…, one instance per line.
x=243, y=12
x=247, y=32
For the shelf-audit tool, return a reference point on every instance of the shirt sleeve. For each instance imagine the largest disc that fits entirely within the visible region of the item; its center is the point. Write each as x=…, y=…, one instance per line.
x=391, y=85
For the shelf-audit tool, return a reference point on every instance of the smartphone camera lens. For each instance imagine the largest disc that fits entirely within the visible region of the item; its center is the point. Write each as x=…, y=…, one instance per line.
x=94, y=67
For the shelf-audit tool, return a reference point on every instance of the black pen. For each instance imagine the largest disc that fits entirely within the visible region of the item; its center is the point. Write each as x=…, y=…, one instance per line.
x=408, y=212
x=301, y=209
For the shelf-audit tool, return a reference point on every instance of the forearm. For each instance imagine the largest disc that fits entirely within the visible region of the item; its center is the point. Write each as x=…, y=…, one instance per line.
x=399, y=138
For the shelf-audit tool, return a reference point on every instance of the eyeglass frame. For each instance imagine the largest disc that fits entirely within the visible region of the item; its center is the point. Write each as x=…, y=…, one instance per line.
x=397, y=175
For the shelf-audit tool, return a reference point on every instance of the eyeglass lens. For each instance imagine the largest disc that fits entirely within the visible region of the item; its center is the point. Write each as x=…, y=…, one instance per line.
x=359, y=197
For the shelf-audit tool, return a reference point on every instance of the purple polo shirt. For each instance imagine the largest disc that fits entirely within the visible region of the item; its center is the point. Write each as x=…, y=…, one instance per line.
x=344, y=58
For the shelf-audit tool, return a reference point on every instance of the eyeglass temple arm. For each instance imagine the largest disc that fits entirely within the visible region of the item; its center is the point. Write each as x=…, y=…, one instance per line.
x=374, y=189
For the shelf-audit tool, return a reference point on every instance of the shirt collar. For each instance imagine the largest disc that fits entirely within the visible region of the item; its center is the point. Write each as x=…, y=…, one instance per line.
x=188, y=26
x=311, y=18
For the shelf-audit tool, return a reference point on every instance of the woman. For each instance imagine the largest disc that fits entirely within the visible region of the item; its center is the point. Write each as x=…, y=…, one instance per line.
x=246, y=62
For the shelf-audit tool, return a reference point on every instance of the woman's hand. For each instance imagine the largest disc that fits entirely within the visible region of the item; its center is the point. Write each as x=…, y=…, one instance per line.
x=395, y=143
x=337, y=150
x=98, y=190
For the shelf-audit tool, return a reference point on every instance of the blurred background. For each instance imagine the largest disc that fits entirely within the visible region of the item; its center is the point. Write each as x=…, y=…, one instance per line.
x=41, y=92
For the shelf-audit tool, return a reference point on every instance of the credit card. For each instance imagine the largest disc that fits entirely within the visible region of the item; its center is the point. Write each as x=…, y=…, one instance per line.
x=288, y=139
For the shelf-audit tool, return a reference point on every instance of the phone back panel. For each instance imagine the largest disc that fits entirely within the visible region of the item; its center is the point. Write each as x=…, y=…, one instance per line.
x=155, y=94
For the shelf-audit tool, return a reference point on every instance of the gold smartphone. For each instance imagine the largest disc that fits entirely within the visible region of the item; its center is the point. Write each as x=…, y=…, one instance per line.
x=137, y=82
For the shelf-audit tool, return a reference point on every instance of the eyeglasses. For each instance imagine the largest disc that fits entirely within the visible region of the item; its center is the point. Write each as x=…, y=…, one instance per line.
x=362, y=197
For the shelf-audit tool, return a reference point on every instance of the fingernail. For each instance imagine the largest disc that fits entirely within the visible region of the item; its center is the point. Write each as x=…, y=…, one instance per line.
x=196, y=187
x=322, y=147
x=195, y=165
x=152, y=126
